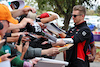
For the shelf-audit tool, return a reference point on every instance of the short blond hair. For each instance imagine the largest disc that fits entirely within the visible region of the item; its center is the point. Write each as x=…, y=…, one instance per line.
x=80, y=8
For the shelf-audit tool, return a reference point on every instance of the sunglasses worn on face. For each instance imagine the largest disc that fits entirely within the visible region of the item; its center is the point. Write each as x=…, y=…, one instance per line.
x=76, y=15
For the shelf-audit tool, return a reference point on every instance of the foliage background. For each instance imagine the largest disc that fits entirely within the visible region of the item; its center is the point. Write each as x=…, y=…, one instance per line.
x=62, y=7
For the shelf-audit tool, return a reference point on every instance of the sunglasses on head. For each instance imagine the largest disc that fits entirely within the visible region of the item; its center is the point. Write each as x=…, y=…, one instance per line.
x=76, y=15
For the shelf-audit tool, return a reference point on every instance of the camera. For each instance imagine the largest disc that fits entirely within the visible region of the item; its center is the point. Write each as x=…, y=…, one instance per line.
x=32, y=37
x=36, y=29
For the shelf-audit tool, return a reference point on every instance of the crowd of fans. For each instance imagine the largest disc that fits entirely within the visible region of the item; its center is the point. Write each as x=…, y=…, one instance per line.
x=21, y=34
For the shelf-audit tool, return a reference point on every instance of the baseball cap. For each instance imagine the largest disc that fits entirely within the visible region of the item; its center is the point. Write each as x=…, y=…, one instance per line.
x=16, y=4
x=20, y=5
x=26, y=6
x=44, y=15
x=7, y=4
x=5, y=14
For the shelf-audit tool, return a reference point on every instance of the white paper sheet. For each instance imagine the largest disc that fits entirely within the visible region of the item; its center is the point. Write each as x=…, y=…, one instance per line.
x=44, y=62
x=5, y=64
x=53, y=27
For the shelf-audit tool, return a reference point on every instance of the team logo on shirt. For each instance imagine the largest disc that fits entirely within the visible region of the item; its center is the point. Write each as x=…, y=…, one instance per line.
x=84, y=33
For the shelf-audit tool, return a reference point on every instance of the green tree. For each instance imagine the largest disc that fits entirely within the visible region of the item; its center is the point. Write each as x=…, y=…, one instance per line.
x=90, y=12
x=62, y=7
x=31, y=3
x=98, y=10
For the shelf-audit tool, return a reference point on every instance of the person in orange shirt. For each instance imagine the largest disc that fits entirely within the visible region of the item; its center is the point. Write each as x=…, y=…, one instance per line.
x=5, y=20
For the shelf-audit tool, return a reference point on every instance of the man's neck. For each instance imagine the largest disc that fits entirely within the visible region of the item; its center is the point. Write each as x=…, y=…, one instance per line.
x=80, y=22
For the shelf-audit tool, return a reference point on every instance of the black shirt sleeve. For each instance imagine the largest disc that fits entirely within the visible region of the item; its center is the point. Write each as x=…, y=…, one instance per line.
x=82, y=35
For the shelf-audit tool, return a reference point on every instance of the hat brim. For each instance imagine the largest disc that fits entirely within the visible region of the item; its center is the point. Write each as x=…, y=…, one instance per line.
x=22, y=4
x=12, y=20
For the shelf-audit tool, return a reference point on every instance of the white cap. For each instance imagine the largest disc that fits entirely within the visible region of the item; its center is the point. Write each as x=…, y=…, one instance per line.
x=6, y=3
x=21, y=2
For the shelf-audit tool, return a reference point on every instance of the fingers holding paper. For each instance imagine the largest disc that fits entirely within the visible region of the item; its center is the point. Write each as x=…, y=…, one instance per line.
x=33, y=61
x=52, y=51
x=59, y=43
x=63, y=41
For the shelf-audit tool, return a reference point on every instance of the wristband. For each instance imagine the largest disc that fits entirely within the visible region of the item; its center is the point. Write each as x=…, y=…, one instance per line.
x=8, y=34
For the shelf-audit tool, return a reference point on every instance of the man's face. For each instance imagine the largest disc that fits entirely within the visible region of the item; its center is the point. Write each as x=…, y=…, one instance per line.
x=5, y=27
x=76, y=16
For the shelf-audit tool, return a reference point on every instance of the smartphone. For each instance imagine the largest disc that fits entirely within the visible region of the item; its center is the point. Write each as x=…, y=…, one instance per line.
x=19, y=40
x=32, y=36
x=11, y=56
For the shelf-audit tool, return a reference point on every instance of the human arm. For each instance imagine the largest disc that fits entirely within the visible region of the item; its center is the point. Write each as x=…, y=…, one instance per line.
x=5, y=57
x=20, y=63
x=62, y=35
x=15, y=61
x=15, y=39
x=2, y=43
x=19, y=47
x=91, y=56
x=59, y=43
x=18, y=34
x=50, y=52
x=22, y=24
x=82, y=35
x=19, y=12
x=24, y=50
x=12, y=39
x=33, y=52
x=48, y=19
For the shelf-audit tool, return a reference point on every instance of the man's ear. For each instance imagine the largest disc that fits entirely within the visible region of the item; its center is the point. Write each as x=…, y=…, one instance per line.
x=1, y=26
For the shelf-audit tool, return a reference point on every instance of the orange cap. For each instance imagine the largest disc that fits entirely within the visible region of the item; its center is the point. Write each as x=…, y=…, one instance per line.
x=5, y=14
x=26, y=6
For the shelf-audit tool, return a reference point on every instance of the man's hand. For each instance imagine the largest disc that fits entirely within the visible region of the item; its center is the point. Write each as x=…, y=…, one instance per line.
x=41, y=25
x=25, y=38
x=24, y=22
x=26, y=10
x=4, y=57
x=33, y=61
x=52, y=51
x=19, y=47
x=45, y=42
x=91, y=58
x=48, y=19
x=23, y=11
x=18, y=34
x=59, y=43
x=25, y=47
